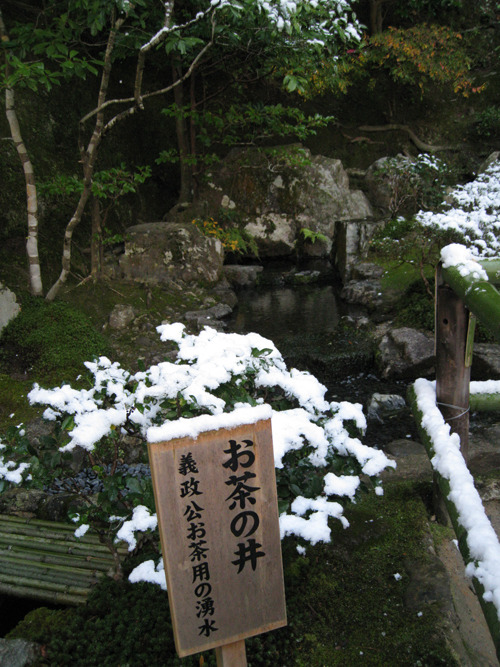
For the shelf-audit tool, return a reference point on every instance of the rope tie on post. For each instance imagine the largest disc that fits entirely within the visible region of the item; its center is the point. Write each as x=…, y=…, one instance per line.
x=455, y=407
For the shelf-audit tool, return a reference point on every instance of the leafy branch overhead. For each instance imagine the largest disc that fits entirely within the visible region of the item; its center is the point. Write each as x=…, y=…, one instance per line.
x=91, y=37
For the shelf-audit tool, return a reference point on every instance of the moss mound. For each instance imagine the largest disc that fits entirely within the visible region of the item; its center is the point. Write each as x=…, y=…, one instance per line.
x=49, y=341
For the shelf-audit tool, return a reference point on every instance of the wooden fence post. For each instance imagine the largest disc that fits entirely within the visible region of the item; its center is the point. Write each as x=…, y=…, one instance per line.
x=232, y=655
x=452, y=370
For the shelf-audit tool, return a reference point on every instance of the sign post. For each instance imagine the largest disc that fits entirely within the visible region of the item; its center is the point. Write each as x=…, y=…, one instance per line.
x=217, y=510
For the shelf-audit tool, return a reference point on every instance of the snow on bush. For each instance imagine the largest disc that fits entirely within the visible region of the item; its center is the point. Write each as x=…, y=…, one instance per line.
x=218, y=380
x=473, y=210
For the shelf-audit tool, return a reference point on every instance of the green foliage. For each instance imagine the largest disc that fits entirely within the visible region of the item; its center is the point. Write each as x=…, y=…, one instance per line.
x=119, y=405
x=309, y=235
x=244, y=124
x=233, y=239
x=420, y=56
x=120, y=624
x=51, y=340
x=409, y=242
x=416, y=307
x=487, y=122
x=50, y=50
x=106, y=184
x=354, y=603
x=40, y=624
x=413, y=184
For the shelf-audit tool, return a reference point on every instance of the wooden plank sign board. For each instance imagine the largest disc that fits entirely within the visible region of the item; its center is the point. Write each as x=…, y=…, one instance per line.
x=217, y=510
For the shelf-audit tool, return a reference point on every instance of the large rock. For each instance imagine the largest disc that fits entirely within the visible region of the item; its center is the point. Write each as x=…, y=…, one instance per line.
x=486, y=362
x=171, y=253
x=18, y=653
x=382, y=180
x=9, y=307
x=275, y=193
x=406, y=353
x=240, y=275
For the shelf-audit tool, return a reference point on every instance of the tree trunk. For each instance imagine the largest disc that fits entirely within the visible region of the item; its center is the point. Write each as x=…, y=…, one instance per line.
x=96, y=240
x=376, y=16
x=35, y=275
x=88, y=159
x=185, y=192
x=195, y=168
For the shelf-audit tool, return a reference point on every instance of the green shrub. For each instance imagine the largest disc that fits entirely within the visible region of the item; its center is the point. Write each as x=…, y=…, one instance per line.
x=487, y=122
x=40, y=624
x=49, y=340
x=416, y=307
x=121, y=624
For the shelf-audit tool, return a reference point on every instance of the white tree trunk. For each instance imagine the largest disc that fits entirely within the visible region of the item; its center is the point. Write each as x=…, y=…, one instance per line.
x=35, y=276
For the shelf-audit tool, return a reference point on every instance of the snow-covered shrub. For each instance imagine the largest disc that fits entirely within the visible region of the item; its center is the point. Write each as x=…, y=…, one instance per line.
x=318, y=456
x=470, y=215
x=472, y=211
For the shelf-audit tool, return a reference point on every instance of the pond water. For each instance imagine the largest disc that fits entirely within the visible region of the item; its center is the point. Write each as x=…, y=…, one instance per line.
x=279, y=310
x=276, y=311
x=304, y=322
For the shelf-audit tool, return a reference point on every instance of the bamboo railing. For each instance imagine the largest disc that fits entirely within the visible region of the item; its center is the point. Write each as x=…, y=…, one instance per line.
x=461, y=297
x=44, y=560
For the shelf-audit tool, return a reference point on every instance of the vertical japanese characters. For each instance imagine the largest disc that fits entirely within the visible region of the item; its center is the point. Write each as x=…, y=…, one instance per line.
x=199, y=548
x=242, y=501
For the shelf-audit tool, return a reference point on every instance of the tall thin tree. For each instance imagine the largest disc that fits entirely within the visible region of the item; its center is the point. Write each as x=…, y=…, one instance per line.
x=35, y=276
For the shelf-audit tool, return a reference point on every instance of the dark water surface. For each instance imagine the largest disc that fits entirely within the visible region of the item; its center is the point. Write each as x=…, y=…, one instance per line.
x=276, y=312
x=305, y=324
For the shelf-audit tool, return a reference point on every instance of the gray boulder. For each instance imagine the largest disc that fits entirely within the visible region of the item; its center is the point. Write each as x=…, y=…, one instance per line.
x=239, y=275
x=382, y=406
x=171, y=253
x=121, y=316
x=276, y=193
x=9, y=307
x=211, y=317
x=18, y=652
x=405, y=353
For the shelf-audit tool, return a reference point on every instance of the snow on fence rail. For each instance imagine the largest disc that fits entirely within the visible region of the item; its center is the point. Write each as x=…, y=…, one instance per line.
x=477, y=540
x=471, y=281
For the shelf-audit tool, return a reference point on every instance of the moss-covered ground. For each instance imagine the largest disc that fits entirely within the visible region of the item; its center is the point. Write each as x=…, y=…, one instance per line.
x=345, y=605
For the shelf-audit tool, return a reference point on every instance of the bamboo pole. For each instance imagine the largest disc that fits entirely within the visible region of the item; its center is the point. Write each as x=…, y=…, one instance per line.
x=75, y=579
x=56, y=597
x=39, y=584
x=484, y=402
x=489, y=609
x=39, y=565
x=40, y=523
x=48, y=544
x=35, y=531
x=72, y=560
x=44, y=560
x=480, y=297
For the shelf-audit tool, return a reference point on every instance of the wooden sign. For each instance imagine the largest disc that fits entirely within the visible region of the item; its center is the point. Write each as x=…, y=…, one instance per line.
x=217, y=513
